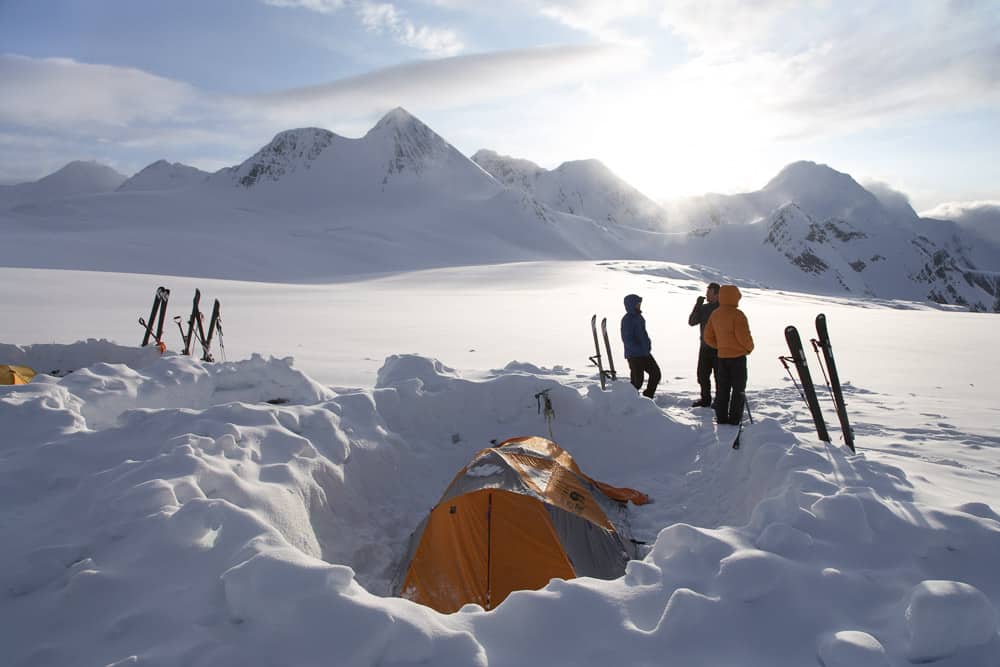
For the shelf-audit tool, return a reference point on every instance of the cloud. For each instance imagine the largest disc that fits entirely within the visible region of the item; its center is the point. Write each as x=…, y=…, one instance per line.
x=460, y=81
x=61, y=93
x=889, y=197
x=321, y=6
x=386, y=18
x=957, y=210
x=817, y=67
x=598, y=18
x=982, y=217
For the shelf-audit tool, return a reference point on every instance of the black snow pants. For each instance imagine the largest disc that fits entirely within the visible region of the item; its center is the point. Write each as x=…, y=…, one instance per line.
x=639, y=366
x=731, y=384
x=707, y=357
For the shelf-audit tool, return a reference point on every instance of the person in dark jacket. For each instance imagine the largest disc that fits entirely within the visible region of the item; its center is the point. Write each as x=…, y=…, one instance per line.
x=728, y=331
x=638, y=347
x=703, y=309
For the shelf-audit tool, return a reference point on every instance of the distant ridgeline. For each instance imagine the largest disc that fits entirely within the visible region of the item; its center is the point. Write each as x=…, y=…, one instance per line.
x=313, y=205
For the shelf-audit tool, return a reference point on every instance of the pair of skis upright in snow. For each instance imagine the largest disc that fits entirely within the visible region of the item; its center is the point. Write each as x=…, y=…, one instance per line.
x=156, y=317
x=808, y=389
x=196, y=328
x=153, y=329
x=597, y=359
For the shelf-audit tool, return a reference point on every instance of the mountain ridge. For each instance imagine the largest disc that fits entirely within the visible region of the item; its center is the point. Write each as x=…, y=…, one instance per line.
x=402, y=197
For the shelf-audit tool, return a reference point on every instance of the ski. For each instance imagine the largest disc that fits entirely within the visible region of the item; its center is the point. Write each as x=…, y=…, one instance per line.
x=214, y=324
x=156, y=317
x=194, y=317
x=607, y=348
x=596, y=359
x=808, y=389
x=834, y=379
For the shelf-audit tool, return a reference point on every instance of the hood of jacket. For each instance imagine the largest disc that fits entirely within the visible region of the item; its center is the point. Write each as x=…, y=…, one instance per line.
x=632, y=302
x=729, y=295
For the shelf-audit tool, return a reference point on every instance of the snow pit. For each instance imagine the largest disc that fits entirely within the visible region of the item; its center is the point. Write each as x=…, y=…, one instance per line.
x=261, y=524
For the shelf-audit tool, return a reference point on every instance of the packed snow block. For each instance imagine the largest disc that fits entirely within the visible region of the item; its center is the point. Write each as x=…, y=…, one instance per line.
x=693, y=552
x=687, y=613
x=851, y=648
x=34, y=414
x=256, y=380
x=945, y=617
x=278, y=586
x=60, y=359
x=748, y=575
x=843, y=518
x=780, y=538
x=432, y=375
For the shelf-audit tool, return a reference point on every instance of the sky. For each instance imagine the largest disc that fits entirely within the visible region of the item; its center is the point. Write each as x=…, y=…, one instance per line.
x=678, y=98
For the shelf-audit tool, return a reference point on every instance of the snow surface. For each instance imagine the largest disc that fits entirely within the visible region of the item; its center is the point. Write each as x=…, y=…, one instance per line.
x=157, y=510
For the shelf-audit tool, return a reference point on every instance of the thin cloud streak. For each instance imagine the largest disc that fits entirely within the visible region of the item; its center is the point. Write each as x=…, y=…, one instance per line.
x=63, y=94
x=461, y=81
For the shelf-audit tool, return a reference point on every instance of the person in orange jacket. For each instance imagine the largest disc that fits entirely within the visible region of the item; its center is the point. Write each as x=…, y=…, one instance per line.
x=728, y=331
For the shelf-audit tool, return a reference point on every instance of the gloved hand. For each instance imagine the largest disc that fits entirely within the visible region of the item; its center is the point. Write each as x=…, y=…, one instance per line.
x=701, y=300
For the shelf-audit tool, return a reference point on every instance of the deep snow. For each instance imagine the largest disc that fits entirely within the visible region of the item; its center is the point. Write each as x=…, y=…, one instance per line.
x=158, y=510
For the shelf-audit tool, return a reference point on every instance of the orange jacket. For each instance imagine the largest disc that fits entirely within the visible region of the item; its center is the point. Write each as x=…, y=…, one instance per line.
x=728, y=330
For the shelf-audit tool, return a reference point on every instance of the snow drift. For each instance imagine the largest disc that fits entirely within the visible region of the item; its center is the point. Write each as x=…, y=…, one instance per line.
x=165, y=513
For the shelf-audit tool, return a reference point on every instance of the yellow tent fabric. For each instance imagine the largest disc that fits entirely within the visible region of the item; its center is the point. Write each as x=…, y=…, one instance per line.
x=16, y=374
x=517, y=516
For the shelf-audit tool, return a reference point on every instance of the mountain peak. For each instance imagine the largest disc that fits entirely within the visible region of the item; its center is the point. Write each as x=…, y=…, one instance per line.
x=399, y=121
x=81, y=176
x=806, y=175
x=591, y=167
x=396, y=116
x=285, y=153
x=412, y=144
x=163, y=175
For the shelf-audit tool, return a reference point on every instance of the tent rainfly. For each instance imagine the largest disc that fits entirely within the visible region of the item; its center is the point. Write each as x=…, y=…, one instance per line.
x=518, y=515
x=15, y=374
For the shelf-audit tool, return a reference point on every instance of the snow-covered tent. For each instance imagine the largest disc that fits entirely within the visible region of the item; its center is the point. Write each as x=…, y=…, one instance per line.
x=516, y=516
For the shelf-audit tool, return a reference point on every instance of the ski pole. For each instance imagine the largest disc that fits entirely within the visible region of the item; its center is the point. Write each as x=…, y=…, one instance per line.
x=822, y=366
x=784, y=362
x=550, y=413
x=746, y=404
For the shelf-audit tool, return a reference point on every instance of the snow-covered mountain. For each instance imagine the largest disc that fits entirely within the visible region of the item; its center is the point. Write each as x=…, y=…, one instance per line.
x=400, y=155
x=837, y=236
x=582, y=187
x=76, y=178
x=163, y=175
x=402, y=198
x=399, y=198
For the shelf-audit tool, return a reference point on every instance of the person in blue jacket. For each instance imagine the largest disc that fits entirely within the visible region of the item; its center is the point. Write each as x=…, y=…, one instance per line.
x=638, y=347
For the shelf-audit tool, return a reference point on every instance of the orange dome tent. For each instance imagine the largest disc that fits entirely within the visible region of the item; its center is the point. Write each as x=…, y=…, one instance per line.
x=15, y=374
x=516, y=516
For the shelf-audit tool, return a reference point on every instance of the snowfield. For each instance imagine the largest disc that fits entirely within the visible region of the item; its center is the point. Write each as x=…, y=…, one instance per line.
x=158, y=510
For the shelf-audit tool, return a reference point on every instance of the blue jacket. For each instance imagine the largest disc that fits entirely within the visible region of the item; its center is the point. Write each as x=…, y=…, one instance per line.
x=634, y=337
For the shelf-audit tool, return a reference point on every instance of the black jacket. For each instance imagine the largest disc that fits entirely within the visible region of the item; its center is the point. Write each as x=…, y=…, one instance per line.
x=699, y=316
